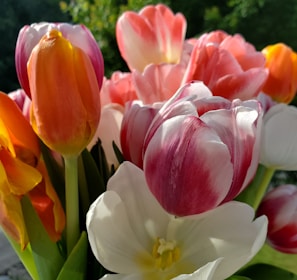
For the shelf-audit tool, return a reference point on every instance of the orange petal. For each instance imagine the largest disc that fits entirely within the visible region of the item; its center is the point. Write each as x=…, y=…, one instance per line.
x=11, y=217
x=20, y=130
x=21, y=176
x=48, y=206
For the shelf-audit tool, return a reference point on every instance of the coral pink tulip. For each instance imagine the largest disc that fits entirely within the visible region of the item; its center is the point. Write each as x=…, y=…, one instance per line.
x=228, y=65
x=154, y=35
x=158, y=82
x=118, y=89
x=78, y=35
x=195, y=162
x=280, y=207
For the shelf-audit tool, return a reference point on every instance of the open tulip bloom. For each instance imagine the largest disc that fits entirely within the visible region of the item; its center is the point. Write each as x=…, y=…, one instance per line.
x=156, y=172
x=131, y=234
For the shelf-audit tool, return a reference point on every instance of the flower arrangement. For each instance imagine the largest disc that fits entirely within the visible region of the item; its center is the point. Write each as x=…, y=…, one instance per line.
x=162, y=172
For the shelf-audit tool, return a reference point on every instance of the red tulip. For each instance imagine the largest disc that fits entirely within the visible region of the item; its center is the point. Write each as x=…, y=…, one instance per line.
x=280, y=207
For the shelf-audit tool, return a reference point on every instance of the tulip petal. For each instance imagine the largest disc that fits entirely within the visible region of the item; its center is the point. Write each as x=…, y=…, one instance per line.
x=127, y=208
x=47, y=205
x=20, y=130
x=11, y=218
x=227, y=231
x=279, y=126
x=21, y=177
x=239, y=130
x=180, y=168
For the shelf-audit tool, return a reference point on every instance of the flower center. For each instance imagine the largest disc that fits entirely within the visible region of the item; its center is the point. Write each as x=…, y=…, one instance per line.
x=165, y=253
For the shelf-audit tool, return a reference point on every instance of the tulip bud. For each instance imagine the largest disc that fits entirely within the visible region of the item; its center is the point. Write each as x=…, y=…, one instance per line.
x=281, y=61
x=280, y=207
x=65, y=94
x=78, y=35
x=136, y=121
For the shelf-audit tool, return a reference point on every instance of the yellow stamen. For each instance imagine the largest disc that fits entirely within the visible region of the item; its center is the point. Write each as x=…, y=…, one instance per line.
x=165, y=253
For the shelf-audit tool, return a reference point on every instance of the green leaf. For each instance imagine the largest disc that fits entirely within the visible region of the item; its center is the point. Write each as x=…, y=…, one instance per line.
x=264, y=271
x=118, y=153
x=47, y=256
x=94, y=178
x=268, y=255
x=25, y=256
x=76, y=264
x=238, y=277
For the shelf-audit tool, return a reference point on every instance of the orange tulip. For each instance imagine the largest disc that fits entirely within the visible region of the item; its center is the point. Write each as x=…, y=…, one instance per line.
x=65, y=108
x=21, y=173
x=281, y=61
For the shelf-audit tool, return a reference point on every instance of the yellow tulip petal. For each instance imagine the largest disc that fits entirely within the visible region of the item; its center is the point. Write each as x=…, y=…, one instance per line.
x=21, y=177
x=12, y=220
x=19, y=128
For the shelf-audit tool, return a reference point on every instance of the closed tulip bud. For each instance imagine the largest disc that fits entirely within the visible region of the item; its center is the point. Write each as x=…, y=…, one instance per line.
x=281, y=61
x=196, y=160
x=65, y=108
x=280, y=207
x=78, y=35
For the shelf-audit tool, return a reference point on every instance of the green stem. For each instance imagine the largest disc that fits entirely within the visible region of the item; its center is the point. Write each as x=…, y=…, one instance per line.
x=72, y=202
x=262, y=187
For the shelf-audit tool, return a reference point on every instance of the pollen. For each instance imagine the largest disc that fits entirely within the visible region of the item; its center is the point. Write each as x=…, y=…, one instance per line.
x=165, y=253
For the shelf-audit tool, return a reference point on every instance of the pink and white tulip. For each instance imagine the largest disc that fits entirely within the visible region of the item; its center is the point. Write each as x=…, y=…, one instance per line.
x=79, y=36
x=136, y=121
x=280, y=207
x=154, y=35
x=195, y=162
x=228, y=65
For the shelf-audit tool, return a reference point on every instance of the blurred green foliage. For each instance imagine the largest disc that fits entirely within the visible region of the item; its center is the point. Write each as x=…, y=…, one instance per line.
x=100, y=17
x=261, y=22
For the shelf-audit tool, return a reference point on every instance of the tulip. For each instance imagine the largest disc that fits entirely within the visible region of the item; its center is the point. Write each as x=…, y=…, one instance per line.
x=132, y=235
x=118, y=89
x=108, y=131
x=281, y=61
x=278, y=144
x=23, y=173
x=65, y=94
x=136, y=121
x=154, y=35
x=193, y=163
x=228, y=65
x=158, y=82
x=22, y=100
x=280, y=207
x=79, y=36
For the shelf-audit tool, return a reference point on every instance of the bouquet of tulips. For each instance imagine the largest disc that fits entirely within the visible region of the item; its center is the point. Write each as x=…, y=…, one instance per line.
x=162, y=172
